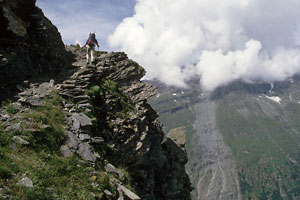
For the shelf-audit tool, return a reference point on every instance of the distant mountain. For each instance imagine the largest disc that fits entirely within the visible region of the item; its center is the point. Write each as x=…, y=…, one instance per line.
x=242, y=139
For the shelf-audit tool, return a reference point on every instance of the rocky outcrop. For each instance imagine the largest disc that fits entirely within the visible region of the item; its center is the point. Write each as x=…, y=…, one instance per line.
x=30, y=45
x=108, y=119
x=118, y=100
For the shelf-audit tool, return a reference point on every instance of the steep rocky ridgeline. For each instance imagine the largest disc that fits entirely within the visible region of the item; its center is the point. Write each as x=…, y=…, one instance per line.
x=126, y=121
x=30, y=45
x=106, y=122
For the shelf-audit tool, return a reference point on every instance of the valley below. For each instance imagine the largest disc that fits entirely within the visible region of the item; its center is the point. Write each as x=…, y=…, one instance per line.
x=242, y=139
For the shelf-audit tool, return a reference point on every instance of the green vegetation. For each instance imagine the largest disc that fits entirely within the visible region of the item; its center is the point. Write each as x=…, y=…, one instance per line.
x=53, y=176
x=172, y=113
x=10, y=108
x=120, y=104
x=109, y=103
x=266, y=151
x=7, y=167
x=4, y=138
x=47, y=124
x=173, y=120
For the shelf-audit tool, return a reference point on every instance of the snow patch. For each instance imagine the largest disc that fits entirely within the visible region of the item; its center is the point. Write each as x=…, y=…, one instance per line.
x=174, y=94
x=276, y=99
x=246, y=152
x=272, y=86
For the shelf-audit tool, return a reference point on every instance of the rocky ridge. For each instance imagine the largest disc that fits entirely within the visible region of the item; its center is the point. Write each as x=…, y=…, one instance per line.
x=137, y=136
x=106, y=110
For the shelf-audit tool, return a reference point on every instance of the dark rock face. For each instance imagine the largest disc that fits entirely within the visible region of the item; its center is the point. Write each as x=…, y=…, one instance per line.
x=175, y=181
x=30, y=45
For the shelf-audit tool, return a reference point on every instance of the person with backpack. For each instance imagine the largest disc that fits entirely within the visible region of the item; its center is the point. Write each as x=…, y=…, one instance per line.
x=91, y=43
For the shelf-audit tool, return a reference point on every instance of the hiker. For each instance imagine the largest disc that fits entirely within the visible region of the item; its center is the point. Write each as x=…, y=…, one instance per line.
x=90, y=43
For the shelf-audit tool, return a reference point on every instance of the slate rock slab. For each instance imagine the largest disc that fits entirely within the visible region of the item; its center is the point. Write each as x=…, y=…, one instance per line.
x=66, y=152
x=72, y=140
x=14, y=127
x=84, y=137
x=27, y=182
x=128, y=193
x=80, y=120
x=20, y=141
x=85, y=152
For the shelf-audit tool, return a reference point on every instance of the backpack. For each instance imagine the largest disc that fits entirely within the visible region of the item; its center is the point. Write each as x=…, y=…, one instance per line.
x=92, y=39
x=90, y=42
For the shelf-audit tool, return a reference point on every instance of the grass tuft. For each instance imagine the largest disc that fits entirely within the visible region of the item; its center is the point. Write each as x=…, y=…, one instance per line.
x=10, y=108
x=48, y=123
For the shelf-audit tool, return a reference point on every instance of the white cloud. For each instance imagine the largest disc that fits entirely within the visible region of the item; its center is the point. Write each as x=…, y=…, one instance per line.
x=252, y=40
x=250, y=64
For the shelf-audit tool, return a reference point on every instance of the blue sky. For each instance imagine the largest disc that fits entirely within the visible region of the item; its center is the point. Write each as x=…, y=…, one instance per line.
x=75, y=19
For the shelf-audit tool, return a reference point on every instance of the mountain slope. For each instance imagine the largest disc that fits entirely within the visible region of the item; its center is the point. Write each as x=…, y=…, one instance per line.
x=210, y=165
x=245, y=139
x=262, y=131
